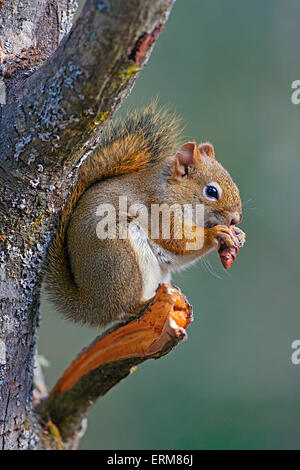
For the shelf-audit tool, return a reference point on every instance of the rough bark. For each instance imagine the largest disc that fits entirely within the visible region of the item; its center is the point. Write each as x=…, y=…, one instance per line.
x=58, y=98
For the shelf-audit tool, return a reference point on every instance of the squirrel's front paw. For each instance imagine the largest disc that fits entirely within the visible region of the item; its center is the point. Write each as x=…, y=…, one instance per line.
x=228, y=254
x=222, y=235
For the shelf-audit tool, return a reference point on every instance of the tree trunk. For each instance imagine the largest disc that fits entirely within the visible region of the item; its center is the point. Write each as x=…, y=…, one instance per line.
x=60, y=85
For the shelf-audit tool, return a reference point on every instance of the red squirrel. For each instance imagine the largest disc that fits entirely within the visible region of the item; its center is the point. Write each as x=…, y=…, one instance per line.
x=98, y=280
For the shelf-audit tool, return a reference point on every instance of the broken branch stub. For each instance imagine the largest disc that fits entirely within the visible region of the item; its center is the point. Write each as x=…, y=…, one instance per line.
x=111, y=357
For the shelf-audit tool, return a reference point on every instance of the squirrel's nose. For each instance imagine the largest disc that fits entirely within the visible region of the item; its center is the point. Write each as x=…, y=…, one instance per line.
x=236, y=218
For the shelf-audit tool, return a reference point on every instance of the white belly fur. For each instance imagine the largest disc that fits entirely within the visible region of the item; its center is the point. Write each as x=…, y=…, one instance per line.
x=153, y=273
x=156, y=264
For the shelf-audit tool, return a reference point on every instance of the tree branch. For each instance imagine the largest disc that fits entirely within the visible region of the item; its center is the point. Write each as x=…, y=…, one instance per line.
x=63, y=104
x=112, y=357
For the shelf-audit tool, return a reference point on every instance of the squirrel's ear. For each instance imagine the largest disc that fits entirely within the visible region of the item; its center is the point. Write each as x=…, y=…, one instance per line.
x=207, y=149
x=188, y=156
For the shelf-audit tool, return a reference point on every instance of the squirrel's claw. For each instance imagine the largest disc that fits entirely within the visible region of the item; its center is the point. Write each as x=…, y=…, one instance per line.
x=240, y=235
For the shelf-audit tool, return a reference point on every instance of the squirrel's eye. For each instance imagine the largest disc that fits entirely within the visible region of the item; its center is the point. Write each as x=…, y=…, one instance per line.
x=212, y=192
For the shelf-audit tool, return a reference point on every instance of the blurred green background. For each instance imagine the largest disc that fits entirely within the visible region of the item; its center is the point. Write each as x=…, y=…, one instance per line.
x=227, y=68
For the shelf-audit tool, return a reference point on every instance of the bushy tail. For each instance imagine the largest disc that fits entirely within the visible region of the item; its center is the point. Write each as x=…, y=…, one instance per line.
x=140, y=141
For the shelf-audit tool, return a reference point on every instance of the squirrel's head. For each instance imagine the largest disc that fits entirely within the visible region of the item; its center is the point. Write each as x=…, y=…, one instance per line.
x=197, y=171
